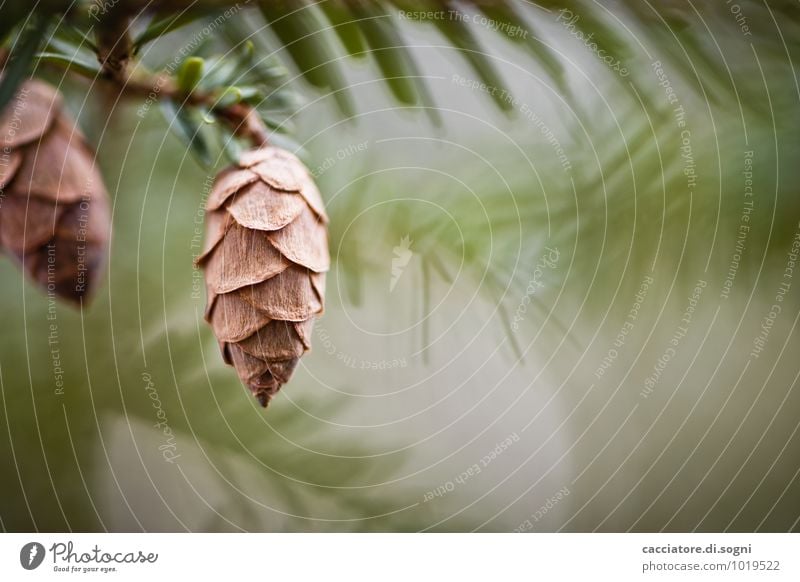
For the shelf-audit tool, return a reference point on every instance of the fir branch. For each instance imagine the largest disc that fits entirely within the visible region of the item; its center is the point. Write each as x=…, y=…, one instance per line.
x=243, y=119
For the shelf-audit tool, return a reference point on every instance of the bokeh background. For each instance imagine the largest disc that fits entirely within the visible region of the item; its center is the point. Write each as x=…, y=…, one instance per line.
x=557, y=353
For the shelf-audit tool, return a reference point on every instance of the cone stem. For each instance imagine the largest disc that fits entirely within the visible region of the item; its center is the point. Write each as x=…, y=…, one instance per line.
x=246, y=122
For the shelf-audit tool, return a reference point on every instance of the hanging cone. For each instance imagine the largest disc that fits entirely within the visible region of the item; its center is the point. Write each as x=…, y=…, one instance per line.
x=265, y=258
x=54, y=211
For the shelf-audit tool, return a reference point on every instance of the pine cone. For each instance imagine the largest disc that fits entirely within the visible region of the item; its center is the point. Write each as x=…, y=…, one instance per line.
x=54, y=211
x=265, y=258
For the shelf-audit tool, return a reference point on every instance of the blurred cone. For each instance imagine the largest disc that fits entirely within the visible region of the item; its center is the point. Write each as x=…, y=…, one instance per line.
x=54, y=211
x=265, y=258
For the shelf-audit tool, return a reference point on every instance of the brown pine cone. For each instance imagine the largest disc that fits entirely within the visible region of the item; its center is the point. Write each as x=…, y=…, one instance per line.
x=54, y=211
x=265, y=258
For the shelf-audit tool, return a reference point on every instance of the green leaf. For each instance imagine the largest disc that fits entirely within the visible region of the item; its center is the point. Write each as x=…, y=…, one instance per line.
x=76, y=39
x=230, y=96
x=393, y=57
x=189, y=128
x=71, y=49
x=198, y=49
x=304, y=38
x=279, y=124
x=257, y=64
x=684, y=51
x=495, y=289
x=387, y=48
x=251, y=95
x=517, y=29
x=587, y=24
x=346, y=28
x=281, y=101
x=19, y=62
x=220, y=71
x=161, y=26
x=460, y=35
x=86, y=68
x=572, y=13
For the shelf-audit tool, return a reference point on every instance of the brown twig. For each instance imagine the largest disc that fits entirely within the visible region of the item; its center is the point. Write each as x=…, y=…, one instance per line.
x=115, y=45
x=240, y=117
x=246, y=123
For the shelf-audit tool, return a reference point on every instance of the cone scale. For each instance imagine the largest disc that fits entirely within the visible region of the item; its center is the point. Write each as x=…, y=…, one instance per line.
x=54, y=209
x=265, y=259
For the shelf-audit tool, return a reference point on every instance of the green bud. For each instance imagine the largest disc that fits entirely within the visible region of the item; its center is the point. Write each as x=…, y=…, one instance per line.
x=190, y=73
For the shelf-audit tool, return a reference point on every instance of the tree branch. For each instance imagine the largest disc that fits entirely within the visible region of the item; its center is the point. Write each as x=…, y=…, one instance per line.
x=114, y=45
x=240, y=117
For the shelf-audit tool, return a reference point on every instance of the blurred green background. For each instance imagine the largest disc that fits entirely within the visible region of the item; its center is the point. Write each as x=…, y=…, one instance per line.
x=471, y=394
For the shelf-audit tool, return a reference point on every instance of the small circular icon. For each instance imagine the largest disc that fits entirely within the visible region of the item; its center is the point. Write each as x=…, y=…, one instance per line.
x=31, y=555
